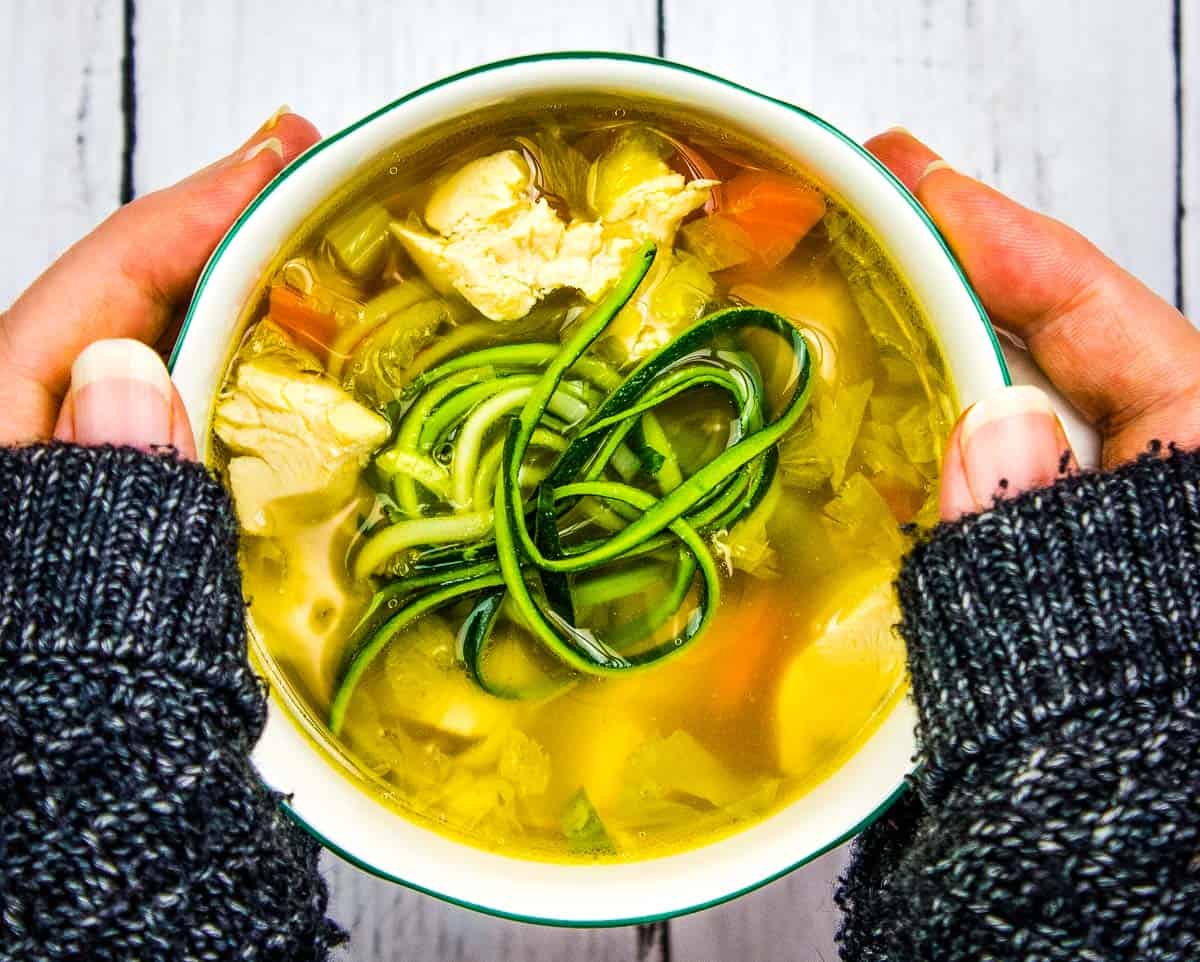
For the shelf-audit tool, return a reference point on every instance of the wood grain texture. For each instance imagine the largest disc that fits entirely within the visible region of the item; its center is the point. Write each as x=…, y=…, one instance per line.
x=1066, y=105
x=794, y=918
x=392, y=924
x=60, y=169
x=209, y=73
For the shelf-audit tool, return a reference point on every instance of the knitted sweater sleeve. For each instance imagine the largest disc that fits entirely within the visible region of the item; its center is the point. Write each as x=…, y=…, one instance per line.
x=132, y=825
x=1054, y=649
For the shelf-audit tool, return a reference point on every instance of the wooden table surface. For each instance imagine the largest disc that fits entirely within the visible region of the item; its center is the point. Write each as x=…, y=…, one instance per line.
x=1086, y=109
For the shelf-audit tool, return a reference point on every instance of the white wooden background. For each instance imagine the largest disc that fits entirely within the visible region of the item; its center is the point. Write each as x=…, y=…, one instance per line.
x=1088, y=109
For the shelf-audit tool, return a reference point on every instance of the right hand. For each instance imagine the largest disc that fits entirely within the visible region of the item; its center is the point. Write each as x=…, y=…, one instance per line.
x=1124, y=357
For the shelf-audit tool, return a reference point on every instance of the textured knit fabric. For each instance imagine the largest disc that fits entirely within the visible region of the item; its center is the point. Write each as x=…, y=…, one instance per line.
x=132, y=826
x=1054, y=646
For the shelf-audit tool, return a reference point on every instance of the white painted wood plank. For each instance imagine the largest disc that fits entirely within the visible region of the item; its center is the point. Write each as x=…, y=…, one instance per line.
x=1066, y=105
x=1189, y=53
x=793, y=918
x=391, y=924
x=209, y=73
x=60, y=170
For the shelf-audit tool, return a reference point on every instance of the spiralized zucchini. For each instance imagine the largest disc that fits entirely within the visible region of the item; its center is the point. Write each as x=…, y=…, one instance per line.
x=484, y=522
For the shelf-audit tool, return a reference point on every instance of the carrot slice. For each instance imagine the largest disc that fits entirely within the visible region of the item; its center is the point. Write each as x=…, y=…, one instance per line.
x=774, y=210
x=316, y=328
x=741, y=645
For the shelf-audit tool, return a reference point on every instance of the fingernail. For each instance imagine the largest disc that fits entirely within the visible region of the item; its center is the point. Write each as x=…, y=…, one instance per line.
x=1011, y=442
x=898, y=129
x=938, y=164
x=274, y=118
x=273, y=144
x=121, y=394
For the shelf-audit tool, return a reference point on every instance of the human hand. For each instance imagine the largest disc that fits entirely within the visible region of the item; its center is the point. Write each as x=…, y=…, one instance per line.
x=1124, y=357
x=74, y=357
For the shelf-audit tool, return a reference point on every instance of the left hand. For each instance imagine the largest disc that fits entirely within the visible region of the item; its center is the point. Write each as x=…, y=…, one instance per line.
x=130, y=280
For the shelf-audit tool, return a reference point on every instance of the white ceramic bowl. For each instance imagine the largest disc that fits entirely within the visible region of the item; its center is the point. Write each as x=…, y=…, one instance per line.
x=329, y=803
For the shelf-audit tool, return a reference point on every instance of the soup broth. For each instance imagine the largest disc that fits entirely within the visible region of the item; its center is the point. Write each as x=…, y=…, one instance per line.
x=491, y=431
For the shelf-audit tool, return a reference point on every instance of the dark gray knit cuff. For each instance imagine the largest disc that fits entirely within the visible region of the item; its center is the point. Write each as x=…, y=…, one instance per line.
x=1061, y=604
x=127, y=714
x=129, y=556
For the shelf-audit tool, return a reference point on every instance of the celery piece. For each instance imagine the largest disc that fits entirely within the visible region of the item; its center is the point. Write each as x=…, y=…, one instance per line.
x=878, y=456
x=919, y=428
x=559, y=170
x=859, y=516
x=683, y=293
x=466, y=799
x=757, y=801
x=635, y=157
x=917, y=436
x=525, y=764
x=386, y=749
x=820, y=448
x=388, y=303
x=881, y=453
x=512, y=663
x=359, y=241
x=380, y=308
x=379, y=367
x=900, y=372
x=717, y=242
x=876, y=292
x=675, y=292
x=267, y=340
x=889, y=408
x=584, y=831
x=679, y=765
x=845, y=420
x=747, y=547
x=429, y=689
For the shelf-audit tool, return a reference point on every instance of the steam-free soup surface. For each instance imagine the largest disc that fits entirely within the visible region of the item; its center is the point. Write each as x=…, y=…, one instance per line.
x=629, y=707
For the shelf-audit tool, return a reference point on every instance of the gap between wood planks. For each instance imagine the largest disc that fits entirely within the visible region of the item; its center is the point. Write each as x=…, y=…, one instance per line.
x=1180, y=209
x=654, y=939
x=128, y=101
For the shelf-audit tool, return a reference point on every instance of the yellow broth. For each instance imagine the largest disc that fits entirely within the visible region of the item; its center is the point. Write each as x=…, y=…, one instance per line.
x=800, y=663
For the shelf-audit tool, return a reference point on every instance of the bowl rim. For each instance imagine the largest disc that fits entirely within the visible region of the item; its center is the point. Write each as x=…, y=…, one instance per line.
x=661, y=64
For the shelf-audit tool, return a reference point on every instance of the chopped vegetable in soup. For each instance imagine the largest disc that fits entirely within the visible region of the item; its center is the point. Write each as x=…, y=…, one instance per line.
x=573, y=460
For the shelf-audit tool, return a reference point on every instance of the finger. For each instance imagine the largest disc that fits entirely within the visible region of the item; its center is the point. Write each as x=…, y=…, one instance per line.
x=1002, y=446
x=902, y=154
x=1124, y=357
x=121, y=394
x=181, y=428
x=955, y=499
x=130, y=276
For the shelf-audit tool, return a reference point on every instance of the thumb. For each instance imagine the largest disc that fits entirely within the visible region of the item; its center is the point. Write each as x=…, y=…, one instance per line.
x=121, y=394
x=1002, y=446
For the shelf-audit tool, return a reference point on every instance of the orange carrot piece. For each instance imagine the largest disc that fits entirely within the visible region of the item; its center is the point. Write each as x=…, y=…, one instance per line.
x=316, y=328
x=742, y=647
x=776, y=211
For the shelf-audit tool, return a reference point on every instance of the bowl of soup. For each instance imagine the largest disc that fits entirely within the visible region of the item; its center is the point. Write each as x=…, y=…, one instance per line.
x=576, y=411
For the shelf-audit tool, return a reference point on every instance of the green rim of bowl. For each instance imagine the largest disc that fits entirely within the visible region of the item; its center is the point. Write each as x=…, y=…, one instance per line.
x=665, y=65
